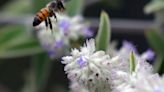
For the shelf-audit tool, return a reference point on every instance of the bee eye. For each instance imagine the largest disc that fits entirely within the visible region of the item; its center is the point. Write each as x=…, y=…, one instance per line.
x=53, y=5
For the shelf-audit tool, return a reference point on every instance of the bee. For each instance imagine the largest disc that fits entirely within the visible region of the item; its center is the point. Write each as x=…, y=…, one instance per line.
x=49, y=11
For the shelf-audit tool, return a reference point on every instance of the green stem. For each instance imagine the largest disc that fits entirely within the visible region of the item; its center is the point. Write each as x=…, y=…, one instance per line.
x=42, y=67
x=36, y=80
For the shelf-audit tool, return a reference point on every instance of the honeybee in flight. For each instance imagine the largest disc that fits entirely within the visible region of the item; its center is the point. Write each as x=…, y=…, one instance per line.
x=49, y=11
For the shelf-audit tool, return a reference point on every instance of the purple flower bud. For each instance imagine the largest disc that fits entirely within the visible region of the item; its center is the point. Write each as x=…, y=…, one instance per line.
x=150, y=55
x=129, y=46
x=59, y=44
x=88, y=32
x=82, y=62
x=64, y=25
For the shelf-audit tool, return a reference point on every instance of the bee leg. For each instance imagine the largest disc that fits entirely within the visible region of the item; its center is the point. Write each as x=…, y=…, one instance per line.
x=55, y=16
x=46, y=23
x=50, y=24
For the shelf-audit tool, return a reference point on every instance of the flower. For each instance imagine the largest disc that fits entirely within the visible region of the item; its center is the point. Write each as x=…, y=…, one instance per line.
x=53, y=44
x=75, y=87
x=148, y=55
x=85, y=66
x=153, y=83
x=57, y=41
x=125, y=80
x=72, y=27
x=96, y=71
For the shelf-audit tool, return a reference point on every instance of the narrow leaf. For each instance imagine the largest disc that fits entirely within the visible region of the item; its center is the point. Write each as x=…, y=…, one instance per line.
x=159, y=63
x=18, y=40
x=25, y=49
x=20, y=52
x=20, y=7
x=10, y=32
x=15, y=42
x=132, y=62
x=156, y=40
x=154, y=6
x=104, y=32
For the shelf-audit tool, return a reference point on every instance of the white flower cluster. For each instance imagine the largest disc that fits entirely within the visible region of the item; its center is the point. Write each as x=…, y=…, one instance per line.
x=95, y=71
x=53, y=43
x=77, y=88
x=84, y=67
x=65, y=29
x=126, y=80
x=152, y=83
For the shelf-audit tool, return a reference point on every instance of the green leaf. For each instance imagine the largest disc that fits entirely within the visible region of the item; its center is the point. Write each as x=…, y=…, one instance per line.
x=156, y=40
x=8, y=33
x=132, y=62
x=74, y=7
x=20, y=52
x=20, y=7
x=104, y=32
x=159, y=63
x=15, y=42
x=42, y=66
x=19, y=40
x=154, y=6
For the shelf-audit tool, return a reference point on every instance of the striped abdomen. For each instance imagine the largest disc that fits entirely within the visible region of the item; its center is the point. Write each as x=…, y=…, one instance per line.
x=41, y=16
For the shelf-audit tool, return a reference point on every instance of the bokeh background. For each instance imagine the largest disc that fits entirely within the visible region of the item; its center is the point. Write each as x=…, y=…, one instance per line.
x=130, y=20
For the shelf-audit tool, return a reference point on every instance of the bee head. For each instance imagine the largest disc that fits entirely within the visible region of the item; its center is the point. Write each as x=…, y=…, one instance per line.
x=60, y=5
x=52, y=5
